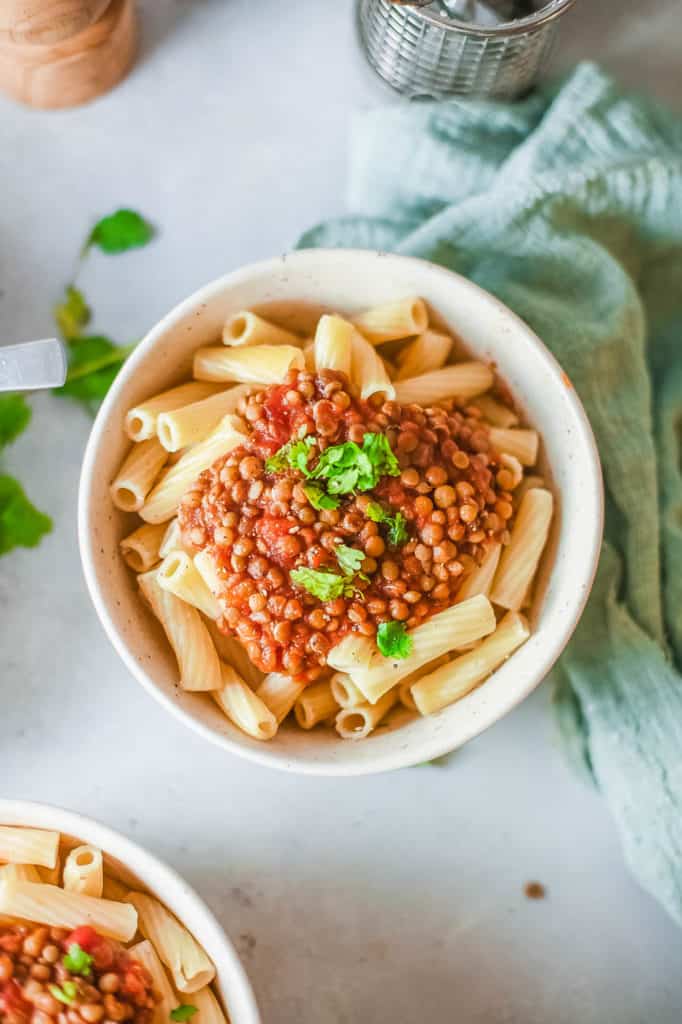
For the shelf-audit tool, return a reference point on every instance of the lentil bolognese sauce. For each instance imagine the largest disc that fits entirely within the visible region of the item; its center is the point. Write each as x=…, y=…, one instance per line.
x=345, y=523
x=414, y=534
x=41, y=982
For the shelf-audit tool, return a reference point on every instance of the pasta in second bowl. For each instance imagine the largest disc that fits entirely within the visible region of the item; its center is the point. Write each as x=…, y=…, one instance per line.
x=94, y=929
x=336, y=503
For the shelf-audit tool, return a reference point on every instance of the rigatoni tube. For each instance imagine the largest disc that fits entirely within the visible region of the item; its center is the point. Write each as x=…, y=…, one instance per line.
x=141, y=420
x=461, y=380
x=520, y=558
x=187, y=634
x=179, y=575
x=460, y=676
x=454, y=627
x=428, y=352
x=192, y=423
x=137, y=475
x=260, y=364
x=162, y=503
x=247, y=328
x=244, y=709
x=393, y=320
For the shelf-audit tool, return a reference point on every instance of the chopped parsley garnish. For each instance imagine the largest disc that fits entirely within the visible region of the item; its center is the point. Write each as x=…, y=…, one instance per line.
x=350, y=559
x=121, y=231
x=325, y=586
x=293, y=455
x=183, y=1012
x=66, y=994
x=397, y=524
x=318, y=498
x=77, y=961
x=347, y=468
x=393, y=640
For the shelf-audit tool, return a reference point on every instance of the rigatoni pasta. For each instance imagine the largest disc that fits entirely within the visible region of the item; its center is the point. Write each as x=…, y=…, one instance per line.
x=163, y=501
x=189, y=965
x=179, y=575
x=520, y=559
x=84, y=871
x=241, y=705
x=136, y=476
x=246, y=328
x=339, y=526
x=187, y=634
x=393, y=320
x=70, y=949
x=429, y=351
x=50, y=905
x=453, y=681
x=465, y=380
x=141, y=548
x=333, y=344
x=141, y=420
x=369, y=374
x=29, y=846
x=190, y=424
x=262, y=364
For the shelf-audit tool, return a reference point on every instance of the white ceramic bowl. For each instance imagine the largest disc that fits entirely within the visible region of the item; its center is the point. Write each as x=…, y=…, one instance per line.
x=350, y=281
x=160, y=880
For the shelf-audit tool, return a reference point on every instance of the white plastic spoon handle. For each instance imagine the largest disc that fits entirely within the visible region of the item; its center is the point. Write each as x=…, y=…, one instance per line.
x=32, y=365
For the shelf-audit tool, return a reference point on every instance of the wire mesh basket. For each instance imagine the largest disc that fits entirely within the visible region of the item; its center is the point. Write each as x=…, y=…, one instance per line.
x=422, y=52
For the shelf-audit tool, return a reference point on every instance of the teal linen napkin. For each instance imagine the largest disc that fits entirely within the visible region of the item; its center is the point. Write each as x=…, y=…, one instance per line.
x=568, y=206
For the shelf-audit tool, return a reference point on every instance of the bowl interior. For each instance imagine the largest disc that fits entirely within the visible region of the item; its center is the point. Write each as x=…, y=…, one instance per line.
x=135, y=867
x=296, y=288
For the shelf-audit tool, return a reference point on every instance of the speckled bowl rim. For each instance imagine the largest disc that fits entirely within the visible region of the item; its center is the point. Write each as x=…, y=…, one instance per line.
x=160, y=879
x=403, y=754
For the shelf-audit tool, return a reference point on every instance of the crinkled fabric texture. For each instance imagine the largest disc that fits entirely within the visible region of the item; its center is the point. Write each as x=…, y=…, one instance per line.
x=568, y=207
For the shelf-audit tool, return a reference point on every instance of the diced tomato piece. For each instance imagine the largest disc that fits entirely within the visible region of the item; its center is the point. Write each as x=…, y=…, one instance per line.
x=100, y=949
x=84, y=936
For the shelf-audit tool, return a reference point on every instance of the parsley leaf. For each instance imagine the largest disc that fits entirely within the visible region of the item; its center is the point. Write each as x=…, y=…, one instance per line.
x=121, y=231
x=183, y=1012
x=393, y=640
x=93, y=364
x=380, y=455
x=375, y=512
x=78, y=961
x=397, y=529
x=21, y=524
x=66, y=994
x=293, y=455
x=72, y=314
x=325, y=586
x=350, y=559
x=347, y=467
x=15, y=414
x=397, y=524
x=318, y=499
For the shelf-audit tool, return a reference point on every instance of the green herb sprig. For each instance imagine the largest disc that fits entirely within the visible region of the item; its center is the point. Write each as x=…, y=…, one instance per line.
x=393, y=640
x=77, y=961
x=66, y=994
x=183, y=1013
x=396, y=525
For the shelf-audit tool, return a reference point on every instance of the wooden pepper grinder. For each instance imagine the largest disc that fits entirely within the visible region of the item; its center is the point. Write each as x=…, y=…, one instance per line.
x=59, y=53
